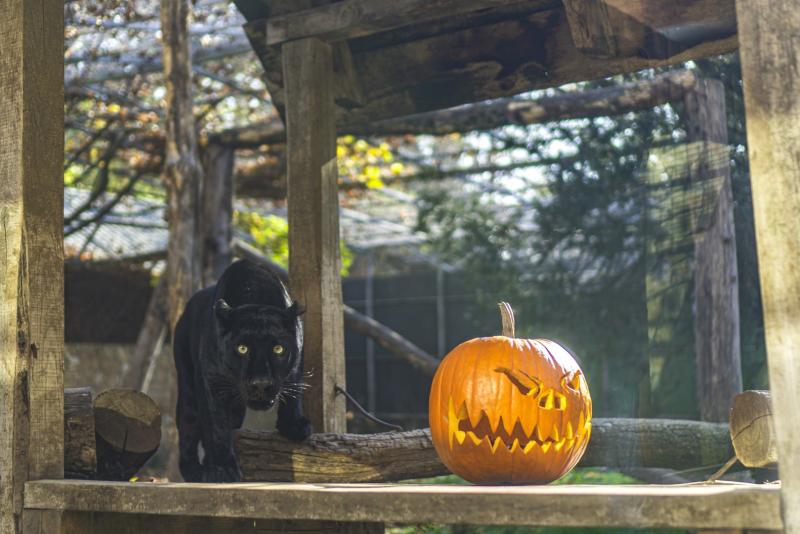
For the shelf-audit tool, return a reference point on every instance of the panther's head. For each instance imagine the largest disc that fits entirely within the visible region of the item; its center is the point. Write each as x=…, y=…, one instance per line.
x=262, y=346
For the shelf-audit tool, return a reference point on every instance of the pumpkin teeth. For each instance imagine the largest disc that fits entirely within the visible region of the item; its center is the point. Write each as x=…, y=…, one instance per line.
x=514, y=446
x=460, y=436
x=546, y=446
x=558, y=445
x=568, y=432
x=529, y=446
x=540, y=434
x=554, y=435
x=475, y=439
x=497, y=442
x=581, y=424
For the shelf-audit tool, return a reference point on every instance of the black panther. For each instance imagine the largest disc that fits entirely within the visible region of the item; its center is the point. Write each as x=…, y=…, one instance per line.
x=238, y=344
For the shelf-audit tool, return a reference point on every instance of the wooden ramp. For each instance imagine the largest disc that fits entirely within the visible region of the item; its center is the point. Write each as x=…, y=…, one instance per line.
x=719, y=505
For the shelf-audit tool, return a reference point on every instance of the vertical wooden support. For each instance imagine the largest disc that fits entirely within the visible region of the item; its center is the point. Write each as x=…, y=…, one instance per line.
x=313, y=213
x=31, y=254
x=769, y=40
x=716, y=277
x=216, y=211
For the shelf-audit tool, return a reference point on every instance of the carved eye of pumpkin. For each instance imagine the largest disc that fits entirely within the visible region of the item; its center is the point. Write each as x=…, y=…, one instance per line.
x=278, y=350
x=243, y=350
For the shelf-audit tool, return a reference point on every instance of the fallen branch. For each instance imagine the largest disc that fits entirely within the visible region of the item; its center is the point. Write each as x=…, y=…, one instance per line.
x=389, y=456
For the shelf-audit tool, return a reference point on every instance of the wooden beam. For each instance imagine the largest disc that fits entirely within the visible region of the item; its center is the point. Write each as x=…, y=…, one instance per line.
x=216, y=206
x=770, y=37
x=356, y=18
x=31, y=253
x=727, y=505
x=716, y=276
x=313, y=216
x=390, y=456
x=424, y=68
x=647, y=29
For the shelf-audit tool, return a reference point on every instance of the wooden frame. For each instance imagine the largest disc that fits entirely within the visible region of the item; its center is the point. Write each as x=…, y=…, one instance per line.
x=31, y=256
x=31, y=313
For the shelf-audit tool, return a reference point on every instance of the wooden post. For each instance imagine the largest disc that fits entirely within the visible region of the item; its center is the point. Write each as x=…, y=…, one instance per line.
x=216, y=211
x=716, y=278
x=313, y=213
x=31, y=255
x=769, y=39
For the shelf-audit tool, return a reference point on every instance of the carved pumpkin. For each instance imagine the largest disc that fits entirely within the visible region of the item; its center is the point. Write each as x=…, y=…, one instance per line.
x=510, y=411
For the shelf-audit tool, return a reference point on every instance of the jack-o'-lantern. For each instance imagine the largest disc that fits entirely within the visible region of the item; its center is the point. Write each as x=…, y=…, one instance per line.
x=510, y=411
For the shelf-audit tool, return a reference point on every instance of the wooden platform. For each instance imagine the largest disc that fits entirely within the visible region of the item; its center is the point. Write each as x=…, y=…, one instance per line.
x=720, y=505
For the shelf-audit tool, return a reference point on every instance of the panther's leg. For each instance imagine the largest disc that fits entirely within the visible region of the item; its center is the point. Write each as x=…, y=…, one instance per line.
x=291, y=422
x=220, y=419
x=186, y=413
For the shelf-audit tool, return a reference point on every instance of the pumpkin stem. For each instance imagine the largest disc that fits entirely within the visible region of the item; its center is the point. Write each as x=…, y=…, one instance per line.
x=507, y=316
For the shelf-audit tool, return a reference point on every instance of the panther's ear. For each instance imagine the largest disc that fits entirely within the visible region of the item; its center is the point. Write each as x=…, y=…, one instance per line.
x=223, y=312
x=291, y=313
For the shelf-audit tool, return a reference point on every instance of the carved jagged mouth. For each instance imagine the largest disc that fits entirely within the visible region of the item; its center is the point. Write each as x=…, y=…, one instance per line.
x=547, y=433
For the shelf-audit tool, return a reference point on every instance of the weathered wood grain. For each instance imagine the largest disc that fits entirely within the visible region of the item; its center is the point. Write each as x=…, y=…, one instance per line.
x=182, y=175
x=391, y=456
x=716, y=277
x=357, y=18
x=80, y=457
x=421, y=69
x=313, y=216
x=684, y=506
x=128, y=432
x=753, y=430
x=216, y=211
x=31, y=252
x=770, y=40
x=625, y=28
x=110, y=523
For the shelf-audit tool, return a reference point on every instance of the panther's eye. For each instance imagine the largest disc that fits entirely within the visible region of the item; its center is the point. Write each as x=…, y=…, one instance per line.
x=278, y=350
x=243, y=349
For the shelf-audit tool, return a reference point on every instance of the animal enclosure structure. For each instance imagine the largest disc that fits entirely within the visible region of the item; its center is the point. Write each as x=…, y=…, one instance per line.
x=333, y=64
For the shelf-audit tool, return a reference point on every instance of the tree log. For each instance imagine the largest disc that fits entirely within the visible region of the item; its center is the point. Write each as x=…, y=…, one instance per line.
x=80, y=459
x=752, y=429
x=383, y=335
x=128, y=432
x=389, y=456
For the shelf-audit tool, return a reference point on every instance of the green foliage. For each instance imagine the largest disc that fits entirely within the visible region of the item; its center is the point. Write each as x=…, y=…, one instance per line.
x=572, y=245
x=270, y=235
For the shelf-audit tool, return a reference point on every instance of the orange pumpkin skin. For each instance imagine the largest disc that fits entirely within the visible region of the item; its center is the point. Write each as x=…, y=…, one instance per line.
x=510, y=411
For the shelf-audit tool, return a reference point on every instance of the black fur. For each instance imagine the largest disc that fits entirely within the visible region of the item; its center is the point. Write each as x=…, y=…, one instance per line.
x=216, y=383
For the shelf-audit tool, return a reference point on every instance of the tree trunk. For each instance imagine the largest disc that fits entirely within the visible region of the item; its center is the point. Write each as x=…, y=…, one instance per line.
x=265, y=456
x=216, y=213
x=182, y=169
x=716, y=279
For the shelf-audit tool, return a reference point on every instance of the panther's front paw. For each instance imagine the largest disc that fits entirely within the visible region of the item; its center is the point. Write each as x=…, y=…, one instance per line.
x=296, y=430
x=221, y=473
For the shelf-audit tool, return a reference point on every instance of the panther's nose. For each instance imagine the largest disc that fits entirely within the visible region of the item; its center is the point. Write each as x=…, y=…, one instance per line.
x=259, y=383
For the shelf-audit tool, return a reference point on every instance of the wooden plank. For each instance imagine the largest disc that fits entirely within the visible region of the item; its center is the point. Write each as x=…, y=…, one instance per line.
x=716, y=276
x=626, y=28
x=313, y=216
x=501, y=57
x=31, y=252
x=684, y=506
x=357, y=18
x=390, y=456
x=770, y=38
x=111, y=523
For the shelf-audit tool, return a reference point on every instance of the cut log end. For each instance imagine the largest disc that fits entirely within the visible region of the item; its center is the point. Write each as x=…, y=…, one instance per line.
x=128, y=432
x=752, y=429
